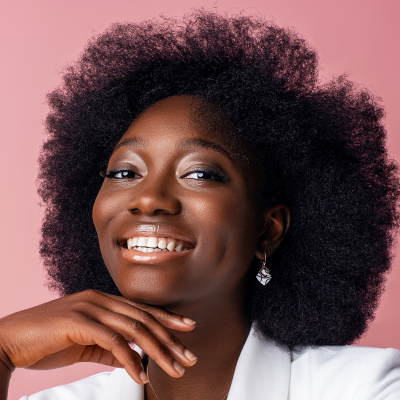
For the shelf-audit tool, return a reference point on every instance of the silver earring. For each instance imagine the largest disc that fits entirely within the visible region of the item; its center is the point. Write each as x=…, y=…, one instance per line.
x=264, y=274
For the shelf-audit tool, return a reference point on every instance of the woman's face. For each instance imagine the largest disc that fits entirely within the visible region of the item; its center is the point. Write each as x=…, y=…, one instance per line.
x=169, y=180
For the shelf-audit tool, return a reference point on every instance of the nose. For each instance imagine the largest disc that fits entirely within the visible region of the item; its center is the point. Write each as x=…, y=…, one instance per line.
x=154, y=197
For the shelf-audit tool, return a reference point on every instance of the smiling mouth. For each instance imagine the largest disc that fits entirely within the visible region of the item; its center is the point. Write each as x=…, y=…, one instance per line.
x=154, y=244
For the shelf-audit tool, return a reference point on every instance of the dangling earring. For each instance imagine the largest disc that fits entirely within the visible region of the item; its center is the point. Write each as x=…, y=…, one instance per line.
x=264, y=275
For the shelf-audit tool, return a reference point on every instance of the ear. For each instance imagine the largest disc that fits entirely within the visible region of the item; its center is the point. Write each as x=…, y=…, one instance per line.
x=276, y=222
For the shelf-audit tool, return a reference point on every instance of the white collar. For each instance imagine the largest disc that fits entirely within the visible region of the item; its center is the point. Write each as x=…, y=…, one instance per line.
x=262, y=372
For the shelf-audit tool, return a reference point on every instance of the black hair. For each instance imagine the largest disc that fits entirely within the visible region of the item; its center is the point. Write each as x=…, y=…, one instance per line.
x=321, y=148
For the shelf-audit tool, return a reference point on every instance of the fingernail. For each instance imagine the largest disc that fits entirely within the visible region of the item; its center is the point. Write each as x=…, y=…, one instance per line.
x=188, y=321
x=178, y=368
x=143, y=377
x=188, y=354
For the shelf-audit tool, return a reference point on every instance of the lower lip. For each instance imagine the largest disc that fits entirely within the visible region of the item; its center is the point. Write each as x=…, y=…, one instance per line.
x=137, y=257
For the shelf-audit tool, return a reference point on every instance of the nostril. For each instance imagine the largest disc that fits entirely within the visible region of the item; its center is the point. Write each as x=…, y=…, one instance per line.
x=153, y=201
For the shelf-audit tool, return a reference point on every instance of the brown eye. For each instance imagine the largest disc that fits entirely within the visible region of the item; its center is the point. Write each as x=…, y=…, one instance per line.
x=206, y=174
x=121, y=173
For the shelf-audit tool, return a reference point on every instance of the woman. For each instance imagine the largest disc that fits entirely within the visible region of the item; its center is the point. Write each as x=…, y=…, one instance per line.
x=218, y=151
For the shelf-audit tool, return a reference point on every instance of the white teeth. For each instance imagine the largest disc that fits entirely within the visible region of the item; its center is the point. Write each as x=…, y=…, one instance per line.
x=171, y=245
x=162, y=243
x=142, y=241
x=152, y=242
x=179, y=247
x=142, y=249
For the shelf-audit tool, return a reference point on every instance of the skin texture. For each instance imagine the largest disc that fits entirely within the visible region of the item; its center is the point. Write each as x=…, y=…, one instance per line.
x=168, y=193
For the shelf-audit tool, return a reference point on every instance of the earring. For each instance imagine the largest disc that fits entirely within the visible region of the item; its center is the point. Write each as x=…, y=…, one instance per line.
x=264, y=274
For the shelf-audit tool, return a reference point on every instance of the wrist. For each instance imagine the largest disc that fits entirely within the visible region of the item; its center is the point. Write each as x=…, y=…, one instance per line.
x=5, y=362
x=6, y=368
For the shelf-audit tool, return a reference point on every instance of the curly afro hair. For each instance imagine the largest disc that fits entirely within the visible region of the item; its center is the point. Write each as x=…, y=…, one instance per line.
x=321, y=149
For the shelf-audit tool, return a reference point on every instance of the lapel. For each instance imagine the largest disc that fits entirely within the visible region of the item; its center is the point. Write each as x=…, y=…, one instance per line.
x=120, y=386
x=262, y=373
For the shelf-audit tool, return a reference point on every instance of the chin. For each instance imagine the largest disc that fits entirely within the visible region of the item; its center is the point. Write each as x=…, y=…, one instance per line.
x=152, y=292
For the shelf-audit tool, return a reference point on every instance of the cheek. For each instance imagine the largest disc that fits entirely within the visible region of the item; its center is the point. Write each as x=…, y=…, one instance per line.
x=105, y=208
x=98, y=212
x=230, y=226
x=228, y=242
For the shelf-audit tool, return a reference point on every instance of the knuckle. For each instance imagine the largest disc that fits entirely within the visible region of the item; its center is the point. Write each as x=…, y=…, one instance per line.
x=142, y=306
x=135, y=358
x=90, y=293
x=83, y=296
x=161, y=353
x=146, y=317
x=170, y=316
x=134, y=362
x=173, y=341
x=138, y=327
x=80, y=304
x=116, y=339
x=76, y=317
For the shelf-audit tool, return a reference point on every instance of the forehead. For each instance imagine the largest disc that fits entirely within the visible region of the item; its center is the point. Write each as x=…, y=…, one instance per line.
x=171, y=113
x=180, y=117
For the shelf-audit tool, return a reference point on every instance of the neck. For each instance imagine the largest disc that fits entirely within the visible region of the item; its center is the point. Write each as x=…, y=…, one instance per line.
x=217, y=341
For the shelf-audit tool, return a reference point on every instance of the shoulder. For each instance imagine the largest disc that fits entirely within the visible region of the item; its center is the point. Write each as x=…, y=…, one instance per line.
x=90, y=388
x=348, y=372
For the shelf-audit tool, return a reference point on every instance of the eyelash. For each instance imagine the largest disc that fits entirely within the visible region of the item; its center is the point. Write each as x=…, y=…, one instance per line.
x=127, y=174
x=215, y=175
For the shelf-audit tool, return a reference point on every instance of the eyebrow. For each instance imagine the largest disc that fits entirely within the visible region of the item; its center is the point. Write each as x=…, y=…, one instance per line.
x=183, y=144
x=204, y=144
x=131, y=142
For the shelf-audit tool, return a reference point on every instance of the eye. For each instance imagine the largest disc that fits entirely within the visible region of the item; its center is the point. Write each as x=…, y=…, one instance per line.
x=120, y=173
x=206, y=174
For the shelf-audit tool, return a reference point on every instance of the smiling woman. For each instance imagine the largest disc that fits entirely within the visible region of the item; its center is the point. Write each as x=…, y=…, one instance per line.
x=197, y=179
x=182, y=188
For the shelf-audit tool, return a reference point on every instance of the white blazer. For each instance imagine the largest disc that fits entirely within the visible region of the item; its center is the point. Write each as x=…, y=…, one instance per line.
x=265, y=371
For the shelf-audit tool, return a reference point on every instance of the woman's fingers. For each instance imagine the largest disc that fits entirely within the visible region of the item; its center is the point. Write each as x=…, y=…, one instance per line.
x=95, y=333
x=167, y=318
x=98, y=355
x=133, y=321
x=77, y=353
x=141, y=327
x=152, y=337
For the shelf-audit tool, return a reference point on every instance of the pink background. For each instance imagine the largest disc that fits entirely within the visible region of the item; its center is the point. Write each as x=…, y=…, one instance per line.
x=39, y=37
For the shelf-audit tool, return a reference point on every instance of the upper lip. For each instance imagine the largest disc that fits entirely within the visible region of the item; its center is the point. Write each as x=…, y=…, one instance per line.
x=155, y=230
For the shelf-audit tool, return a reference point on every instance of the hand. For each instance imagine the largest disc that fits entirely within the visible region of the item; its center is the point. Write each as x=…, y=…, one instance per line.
x=93, y=326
